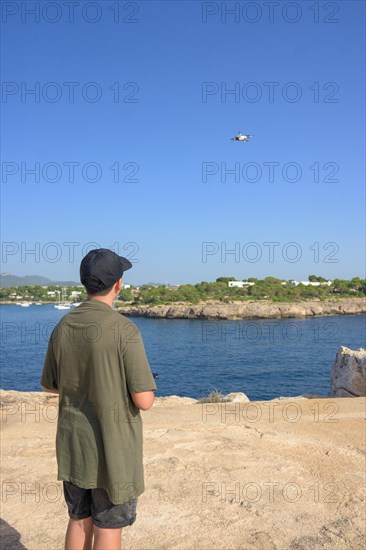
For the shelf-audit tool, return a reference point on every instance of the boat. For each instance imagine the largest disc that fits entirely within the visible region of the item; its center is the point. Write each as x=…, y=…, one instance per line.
x=25, y=304
x=62, y=303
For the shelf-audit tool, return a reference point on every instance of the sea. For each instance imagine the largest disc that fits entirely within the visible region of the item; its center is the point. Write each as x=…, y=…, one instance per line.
x=264, y=359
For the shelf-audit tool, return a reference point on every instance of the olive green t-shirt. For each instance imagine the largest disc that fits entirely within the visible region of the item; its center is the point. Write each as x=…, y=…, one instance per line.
x=96, y=358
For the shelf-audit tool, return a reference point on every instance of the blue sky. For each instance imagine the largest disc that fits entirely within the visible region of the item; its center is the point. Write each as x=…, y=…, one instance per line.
x=170, y=132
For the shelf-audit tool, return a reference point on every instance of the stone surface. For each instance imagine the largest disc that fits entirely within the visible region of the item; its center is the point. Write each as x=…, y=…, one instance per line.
x=169, y=400
x=348, y=375
x=217, y=481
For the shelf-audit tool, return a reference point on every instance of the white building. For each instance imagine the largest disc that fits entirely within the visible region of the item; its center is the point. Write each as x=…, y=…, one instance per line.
x=239, y=284
x=310, y=283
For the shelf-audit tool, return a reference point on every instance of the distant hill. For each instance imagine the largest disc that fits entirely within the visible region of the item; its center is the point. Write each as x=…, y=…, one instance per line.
x=8, y=279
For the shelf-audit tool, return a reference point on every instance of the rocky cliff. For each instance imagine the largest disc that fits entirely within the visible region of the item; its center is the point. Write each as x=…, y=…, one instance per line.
x=248, y=310
x=348, y=377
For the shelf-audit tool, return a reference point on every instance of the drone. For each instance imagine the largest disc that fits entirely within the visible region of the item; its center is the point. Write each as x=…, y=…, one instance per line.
x=241, y=137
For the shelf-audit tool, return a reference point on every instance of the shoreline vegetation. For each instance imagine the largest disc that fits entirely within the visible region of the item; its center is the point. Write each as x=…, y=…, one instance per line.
x=224, y=289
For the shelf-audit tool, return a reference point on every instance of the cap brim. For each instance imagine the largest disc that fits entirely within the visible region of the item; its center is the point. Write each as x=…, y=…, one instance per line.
x=125, y=264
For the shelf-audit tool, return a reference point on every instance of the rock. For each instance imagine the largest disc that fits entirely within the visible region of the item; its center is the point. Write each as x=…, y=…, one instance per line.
x=237, y=397
x=249, y=309
x=348, y=376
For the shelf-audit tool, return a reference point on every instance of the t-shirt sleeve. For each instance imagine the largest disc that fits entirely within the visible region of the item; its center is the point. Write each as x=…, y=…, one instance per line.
x=49, y=373
x=139, y=377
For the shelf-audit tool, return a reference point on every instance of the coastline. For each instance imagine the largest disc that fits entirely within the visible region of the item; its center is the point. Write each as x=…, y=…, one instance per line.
x=242, y=310
x=286, y=476
x=251, y=309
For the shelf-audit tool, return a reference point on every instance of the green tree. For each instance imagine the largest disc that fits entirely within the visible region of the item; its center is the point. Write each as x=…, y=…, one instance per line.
x=272, y=280
x=316, y=279
x=125, y=295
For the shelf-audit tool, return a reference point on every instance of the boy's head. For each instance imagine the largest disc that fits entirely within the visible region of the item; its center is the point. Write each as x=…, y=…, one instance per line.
x=100, y=269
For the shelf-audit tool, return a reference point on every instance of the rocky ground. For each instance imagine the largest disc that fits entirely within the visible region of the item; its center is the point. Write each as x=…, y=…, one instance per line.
x=251, y=309
x=275, y=475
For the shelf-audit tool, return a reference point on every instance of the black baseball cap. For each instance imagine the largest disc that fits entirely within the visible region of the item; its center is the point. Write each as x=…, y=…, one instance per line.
x=101, y=268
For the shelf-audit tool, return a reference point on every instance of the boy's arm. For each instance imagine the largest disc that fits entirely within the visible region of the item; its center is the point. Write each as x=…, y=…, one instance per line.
x=49, y=377
x=139, y=379
x=143, y=400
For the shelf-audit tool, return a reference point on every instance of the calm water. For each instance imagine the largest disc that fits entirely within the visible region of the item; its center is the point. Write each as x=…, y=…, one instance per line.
x=264, y=359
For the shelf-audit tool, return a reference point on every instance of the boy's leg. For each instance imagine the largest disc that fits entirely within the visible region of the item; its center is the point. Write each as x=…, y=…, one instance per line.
x=107, y=538
x=107, y=519
x=79, y=534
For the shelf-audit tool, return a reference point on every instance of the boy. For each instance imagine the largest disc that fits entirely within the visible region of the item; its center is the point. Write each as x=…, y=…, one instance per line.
x=97, y=364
